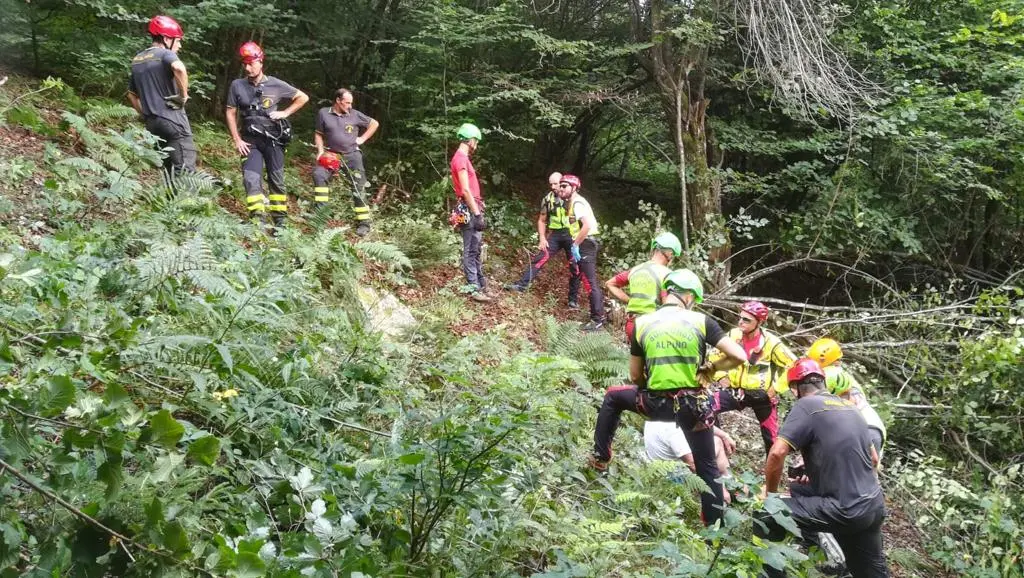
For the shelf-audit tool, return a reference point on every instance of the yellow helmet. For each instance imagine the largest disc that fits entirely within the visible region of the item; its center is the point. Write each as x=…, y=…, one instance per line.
x=825, y=351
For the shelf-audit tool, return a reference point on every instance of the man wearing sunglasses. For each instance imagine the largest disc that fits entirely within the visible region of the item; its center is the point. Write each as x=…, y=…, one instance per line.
x=757, y=383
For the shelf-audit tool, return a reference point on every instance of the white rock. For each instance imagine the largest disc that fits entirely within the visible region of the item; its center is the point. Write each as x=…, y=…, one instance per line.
x=386, y=313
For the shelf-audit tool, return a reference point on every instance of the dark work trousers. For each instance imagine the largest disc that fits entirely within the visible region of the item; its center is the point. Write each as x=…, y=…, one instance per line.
x=766, y=409
x=859, y=533
x=176, y=141
x=620, y=398
x=558, y=240
x=354, y=176
x=588, y=275
x=264, y=152
x=472, y=264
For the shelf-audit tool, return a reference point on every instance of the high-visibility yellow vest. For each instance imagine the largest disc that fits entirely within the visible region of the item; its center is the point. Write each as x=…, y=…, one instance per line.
x=645, y=287
x=673, y=340
x=768, y=368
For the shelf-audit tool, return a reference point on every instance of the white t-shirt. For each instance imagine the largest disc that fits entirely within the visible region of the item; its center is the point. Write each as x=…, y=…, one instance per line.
x=582, y=211
x=665, y=441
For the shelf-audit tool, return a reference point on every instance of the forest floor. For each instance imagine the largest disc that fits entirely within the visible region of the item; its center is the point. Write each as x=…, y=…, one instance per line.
x=521, y=314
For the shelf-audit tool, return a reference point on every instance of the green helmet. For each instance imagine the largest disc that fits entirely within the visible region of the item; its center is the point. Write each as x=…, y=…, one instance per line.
x=667, y=241
x=468, y=131
x=684, y=280
x=836, y=380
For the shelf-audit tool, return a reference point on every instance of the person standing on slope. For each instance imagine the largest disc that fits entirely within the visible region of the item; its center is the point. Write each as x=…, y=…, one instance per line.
x=471, y=204
x=158, y=90
x=262, y=132
x=340, y=131
x=553, y=230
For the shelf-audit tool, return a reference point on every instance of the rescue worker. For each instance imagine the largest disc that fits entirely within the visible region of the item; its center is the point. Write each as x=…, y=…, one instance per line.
x=583, y=228
x=841, y=382
x=340, y=131
x=158, y=91
x=640, y=287
x=262, y=132
x=757, y=383
x=667, y=354
x=554, y=232
x=470, y=209
x=842, y=496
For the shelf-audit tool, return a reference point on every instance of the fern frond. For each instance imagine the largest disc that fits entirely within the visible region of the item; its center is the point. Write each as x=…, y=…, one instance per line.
x=629, y=497
x=195, y=182
x=84, y=164
x=100, y=113
x=164, y=262
x=385, y=253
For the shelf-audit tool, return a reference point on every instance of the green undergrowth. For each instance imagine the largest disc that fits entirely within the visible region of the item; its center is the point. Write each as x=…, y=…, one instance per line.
x=184, y=395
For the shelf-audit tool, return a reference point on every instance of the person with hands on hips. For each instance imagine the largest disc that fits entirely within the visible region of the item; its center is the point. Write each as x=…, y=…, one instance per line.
x=340, y=131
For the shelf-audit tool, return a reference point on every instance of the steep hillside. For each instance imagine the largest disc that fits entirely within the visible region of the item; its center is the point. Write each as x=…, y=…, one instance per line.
x=183, y=394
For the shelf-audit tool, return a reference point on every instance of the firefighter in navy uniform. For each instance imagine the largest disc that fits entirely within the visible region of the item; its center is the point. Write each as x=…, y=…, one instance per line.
x=340, y=131
x=158, y=90
x=262, y=132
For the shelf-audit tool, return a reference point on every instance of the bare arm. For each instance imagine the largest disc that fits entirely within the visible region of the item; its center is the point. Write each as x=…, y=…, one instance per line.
x=374, y=125
x=542, y=231
x=734, y=355
x=773, y=465
x=181, y=79
x=135, y=102
x=298, y=101
x=616, y=291
x=240, y=145
x=467, y=196
x=636, y=370
x=318, y=140
x=727, y=442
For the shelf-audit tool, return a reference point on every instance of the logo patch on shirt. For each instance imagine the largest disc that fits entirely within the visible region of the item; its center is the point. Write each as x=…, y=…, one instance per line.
x=267, y=103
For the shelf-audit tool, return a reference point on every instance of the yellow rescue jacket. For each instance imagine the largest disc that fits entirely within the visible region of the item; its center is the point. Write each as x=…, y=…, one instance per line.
x=766, y=368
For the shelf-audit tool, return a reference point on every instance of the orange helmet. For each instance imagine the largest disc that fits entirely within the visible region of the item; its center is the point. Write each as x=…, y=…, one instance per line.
x=825, y=351
x=250, y=52
x=329, y=161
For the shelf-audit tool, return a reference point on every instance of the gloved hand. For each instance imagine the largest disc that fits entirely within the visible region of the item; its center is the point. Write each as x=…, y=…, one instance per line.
x=575, y=251
x=175, y=101
x=477, y=222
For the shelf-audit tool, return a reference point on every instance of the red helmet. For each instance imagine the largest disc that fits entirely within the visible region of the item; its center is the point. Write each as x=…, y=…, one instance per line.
x=165, y=26
x=572, y=180
x=804, y=367
x=250, y=52
x=329, y=161
x=757, y=309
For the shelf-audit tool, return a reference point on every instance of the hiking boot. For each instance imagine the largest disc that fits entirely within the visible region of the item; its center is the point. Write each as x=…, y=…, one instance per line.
x=515, y=287
x=479, y=297
x=573, y=306
x=593, y=325
x=363, y=229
